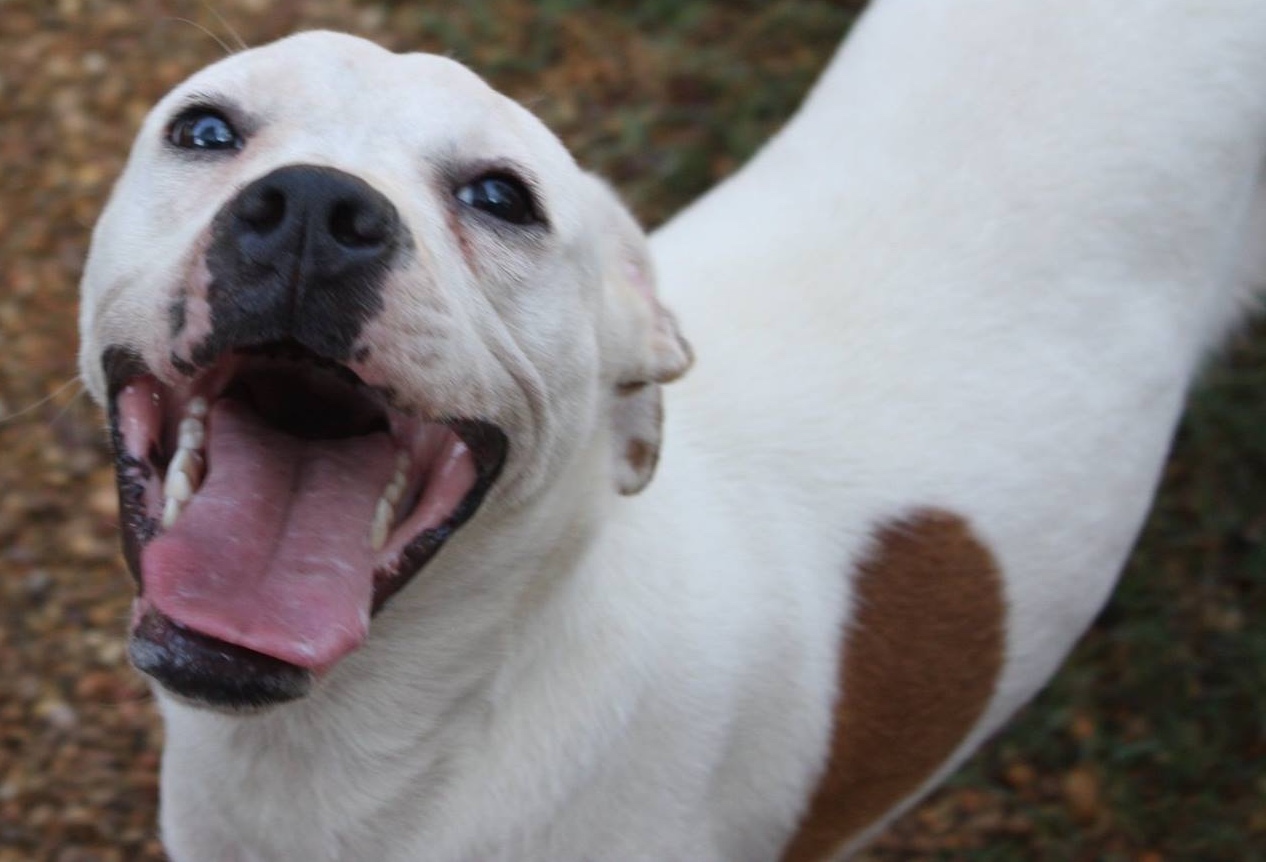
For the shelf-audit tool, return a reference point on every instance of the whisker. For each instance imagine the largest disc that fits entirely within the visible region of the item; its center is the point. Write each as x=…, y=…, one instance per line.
x=68, y=404
x=4, y=420
x=226, y=25
x=227, y=50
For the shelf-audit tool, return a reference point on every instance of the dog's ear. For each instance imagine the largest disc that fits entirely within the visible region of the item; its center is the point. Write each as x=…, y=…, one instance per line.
x=642, y=347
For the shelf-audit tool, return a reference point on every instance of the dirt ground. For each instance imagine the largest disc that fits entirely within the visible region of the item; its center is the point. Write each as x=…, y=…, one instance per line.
x=1150, y=746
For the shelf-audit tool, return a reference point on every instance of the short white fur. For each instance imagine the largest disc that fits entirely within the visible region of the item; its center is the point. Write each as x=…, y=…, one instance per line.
x=978, y=271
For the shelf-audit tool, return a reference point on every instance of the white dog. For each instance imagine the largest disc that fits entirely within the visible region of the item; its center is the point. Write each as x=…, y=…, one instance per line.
x=384, y=370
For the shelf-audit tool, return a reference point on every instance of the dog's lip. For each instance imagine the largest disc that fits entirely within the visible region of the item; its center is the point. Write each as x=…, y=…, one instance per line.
x=142, y=465
x=125, y=371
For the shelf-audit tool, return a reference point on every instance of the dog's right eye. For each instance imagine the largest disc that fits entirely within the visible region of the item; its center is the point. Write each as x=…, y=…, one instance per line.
x=203, y=129
x=501, y=196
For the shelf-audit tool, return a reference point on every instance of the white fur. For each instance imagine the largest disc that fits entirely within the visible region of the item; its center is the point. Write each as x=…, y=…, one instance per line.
x=977, y=271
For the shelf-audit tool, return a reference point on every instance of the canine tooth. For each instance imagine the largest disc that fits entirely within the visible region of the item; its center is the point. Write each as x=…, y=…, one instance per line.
x=190, y=463
x=177, y=486
x=171, y=511
x=192, y=433
x=395, y=489
x=402, y=462
x=197, y=407
x=382, y=521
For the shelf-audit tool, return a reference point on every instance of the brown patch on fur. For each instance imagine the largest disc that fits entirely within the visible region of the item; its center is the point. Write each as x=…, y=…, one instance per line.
x=640, y=454
x=626, y=389
x=637, y=418
x=921, y=659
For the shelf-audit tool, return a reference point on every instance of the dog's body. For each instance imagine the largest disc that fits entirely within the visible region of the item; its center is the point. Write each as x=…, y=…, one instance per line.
x=944, y=323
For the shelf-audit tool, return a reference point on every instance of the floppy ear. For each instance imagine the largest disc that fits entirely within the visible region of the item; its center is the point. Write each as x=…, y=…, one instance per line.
x=642, y=348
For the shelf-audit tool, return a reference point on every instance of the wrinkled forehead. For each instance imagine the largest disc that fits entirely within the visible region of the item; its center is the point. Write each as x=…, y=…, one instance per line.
x=340, y=89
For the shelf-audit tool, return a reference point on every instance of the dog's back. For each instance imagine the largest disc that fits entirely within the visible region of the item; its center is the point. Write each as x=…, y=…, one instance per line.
x=973, y=279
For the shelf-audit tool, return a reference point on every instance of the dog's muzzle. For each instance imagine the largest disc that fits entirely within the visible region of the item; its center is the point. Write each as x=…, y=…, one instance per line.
x=271, y=500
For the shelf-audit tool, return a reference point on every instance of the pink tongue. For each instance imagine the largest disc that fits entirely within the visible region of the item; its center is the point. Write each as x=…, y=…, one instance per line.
x=273, y=553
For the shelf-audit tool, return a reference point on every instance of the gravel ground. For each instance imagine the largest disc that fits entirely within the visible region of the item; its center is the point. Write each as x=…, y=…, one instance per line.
x=664, y=97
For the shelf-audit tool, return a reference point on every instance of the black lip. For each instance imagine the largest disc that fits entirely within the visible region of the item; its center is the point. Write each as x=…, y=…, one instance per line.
x=210, y=671
x=489, y=447
x=136, y=527
x=121, y=364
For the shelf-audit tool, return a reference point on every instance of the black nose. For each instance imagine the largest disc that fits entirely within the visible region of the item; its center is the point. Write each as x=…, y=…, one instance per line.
x=324, y=222
x=301, y=253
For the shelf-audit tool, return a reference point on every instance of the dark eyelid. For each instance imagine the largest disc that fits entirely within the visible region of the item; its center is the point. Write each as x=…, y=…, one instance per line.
x=459, y=174
x=242, y=121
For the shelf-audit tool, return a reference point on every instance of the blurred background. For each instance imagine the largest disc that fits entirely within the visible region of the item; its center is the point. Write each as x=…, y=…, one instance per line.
x=1149, y=746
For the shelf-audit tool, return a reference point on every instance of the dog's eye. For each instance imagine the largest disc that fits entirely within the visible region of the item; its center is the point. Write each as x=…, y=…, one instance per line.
x=502, y=196
x=203, y=129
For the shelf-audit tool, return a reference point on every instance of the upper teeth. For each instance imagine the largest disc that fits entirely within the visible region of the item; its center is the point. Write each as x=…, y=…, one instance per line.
x=188, y=465
x=188, y=468
x=385, y=511
x=192, y=433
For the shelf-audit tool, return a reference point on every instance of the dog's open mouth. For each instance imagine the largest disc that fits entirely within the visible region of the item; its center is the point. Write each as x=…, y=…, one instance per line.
x=274, y=501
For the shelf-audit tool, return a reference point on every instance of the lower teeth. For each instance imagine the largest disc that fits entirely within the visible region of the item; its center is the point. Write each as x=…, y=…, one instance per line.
x=385, y=511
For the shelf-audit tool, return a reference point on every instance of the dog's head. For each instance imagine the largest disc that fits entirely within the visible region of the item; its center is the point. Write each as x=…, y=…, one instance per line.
x=341, y=302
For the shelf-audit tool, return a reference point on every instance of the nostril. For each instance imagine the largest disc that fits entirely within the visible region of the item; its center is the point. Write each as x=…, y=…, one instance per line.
x=355, y=225
x=263, y=210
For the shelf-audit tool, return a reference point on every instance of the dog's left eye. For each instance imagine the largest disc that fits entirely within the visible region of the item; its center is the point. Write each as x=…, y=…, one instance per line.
x=203, y=129
x=501, y=196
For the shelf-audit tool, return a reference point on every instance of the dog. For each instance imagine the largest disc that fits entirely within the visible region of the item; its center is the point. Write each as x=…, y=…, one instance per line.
x=388, y=379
